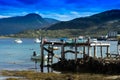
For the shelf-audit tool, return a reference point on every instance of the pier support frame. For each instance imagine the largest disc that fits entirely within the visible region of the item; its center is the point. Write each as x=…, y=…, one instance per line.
x=85, y=46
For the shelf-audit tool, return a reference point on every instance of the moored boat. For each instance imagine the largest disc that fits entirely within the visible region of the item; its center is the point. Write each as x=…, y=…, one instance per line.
x=38, y=57
x=55, y=48
x=18, y=41
x=94, y=40
x=37, y=40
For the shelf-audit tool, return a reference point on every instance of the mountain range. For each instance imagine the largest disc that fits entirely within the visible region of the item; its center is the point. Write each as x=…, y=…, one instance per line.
x=104, y=21
x=30, y=21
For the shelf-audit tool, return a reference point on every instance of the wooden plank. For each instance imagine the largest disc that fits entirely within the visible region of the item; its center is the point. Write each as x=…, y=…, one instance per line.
x=78, y=44
x=67, y=44
x=70, y=51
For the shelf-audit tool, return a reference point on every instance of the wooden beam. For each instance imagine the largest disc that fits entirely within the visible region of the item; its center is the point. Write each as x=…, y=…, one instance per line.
x=70, y=51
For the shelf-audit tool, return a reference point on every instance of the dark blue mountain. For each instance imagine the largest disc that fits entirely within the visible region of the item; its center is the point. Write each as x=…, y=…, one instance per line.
x=17, y=24
x=104, y=19
x=50, y=20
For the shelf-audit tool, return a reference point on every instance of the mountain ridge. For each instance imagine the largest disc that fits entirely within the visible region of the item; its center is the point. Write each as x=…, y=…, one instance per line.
x=90, y=21
x=104, y=21
x=13, y=25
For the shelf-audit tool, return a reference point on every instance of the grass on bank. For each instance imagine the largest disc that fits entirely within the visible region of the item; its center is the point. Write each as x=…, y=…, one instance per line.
x=31, y=75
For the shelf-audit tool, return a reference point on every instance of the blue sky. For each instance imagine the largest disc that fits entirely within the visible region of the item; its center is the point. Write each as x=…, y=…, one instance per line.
x=58, y=9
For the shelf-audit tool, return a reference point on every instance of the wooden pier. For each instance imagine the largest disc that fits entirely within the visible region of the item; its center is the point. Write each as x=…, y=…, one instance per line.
x=88, y=48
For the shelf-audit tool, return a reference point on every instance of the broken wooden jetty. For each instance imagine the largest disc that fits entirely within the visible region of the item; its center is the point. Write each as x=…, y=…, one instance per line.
x=87, y=62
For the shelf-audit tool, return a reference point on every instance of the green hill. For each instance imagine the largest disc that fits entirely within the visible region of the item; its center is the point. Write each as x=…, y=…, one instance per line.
x=105, y=20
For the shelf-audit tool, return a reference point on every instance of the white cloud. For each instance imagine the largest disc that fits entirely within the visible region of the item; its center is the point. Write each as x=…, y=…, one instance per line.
x=1, y=16
x=63, y=17
x=66, y=16
x=74, y=13
x=81, y=14
x=24, y=13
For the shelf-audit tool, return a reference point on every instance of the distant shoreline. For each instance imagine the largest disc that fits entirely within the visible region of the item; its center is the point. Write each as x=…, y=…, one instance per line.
x=4, y=37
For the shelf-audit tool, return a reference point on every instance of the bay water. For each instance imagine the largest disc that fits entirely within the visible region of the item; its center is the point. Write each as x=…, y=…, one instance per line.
x=15, y=56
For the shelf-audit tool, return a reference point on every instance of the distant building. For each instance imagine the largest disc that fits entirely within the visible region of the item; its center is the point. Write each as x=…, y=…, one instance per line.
x=112, y=34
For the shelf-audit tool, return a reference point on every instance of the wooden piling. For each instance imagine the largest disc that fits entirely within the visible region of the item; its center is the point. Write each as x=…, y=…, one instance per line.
x=89, y=47
x=75, y=51
x=62, y=52
x=108, y=52
x=42, y=57
x=48, y=59
x=94, y=51
x=101, y=51
x=84, y=52
x=51, y=60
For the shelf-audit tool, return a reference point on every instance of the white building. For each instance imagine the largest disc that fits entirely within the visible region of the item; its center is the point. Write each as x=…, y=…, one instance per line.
x=112, y=34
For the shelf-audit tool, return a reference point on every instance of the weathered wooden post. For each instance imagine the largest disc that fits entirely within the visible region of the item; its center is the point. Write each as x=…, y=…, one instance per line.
x=52, y=54
x=75, y=50
x=42, y=55
x=95, y=51
x=89, y=48
x=48, y=59
x=101, y=51
x=62, y=52
x=108, y=52
x=84, y=52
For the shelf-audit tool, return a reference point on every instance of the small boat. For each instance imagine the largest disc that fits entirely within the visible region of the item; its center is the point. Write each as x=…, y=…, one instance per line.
x=38, y=57
x=55, y=48
x=37, y=40
x=94, y=40
x=18, y=41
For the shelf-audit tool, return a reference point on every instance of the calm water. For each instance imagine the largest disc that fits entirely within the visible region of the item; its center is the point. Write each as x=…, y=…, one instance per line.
x=15, y=56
